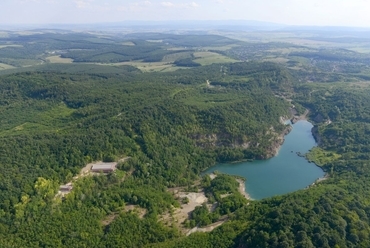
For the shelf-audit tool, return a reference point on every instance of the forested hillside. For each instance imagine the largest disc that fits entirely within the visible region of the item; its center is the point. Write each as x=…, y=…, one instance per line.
x=167, y=107
x=52, y=124
x=333, y=213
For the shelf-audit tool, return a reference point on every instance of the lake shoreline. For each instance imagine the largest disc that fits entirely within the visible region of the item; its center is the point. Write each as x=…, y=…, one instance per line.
x=242, y=189
x=284, y=173
x=281, y=140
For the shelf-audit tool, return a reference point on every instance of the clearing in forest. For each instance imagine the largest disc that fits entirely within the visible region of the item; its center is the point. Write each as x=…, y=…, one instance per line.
x=59, y=60
x=207, y=58
x=6, y=66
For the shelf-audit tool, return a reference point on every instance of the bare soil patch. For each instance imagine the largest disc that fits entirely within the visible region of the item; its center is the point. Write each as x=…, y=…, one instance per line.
x=109, y=219
x=178, y=215
x=208, y=228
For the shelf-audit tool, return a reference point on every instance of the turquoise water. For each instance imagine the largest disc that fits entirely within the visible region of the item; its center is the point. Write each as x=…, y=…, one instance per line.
x=284, y=173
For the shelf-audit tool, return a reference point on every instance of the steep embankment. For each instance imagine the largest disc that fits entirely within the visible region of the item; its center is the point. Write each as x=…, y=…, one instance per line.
x=277, y=143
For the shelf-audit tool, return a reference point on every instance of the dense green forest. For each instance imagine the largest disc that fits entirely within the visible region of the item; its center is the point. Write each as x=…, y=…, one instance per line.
x=55, y=118
x=55, y=123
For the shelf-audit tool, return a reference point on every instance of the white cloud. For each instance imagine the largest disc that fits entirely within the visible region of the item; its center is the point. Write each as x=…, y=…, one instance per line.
x=193, y=4
x=144, y=3
x=167, y=4
x=134, y=7
x=181, y=5
x=83, y=4
x=36, y=1
x=296, y=12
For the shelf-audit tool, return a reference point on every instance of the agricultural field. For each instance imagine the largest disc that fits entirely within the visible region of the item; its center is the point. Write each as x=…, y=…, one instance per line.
x=4, y=46
x=5, y=66
x=58, y=59
x=148, y=66
x=208, y=58
x=128, y=43
x=179, y=55
x=4, y=34
x=220, y=48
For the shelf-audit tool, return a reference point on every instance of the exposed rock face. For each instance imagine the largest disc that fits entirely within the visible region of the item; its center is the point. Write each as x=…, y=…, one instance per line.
x=219, y=140
x=297, y=118
x=315, y=134
x=225, y=140
x=277, y=143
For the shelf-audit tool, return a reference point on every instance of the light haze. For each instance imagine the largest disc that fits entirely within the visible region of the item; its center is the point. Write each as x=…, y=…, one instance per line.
x=291, y=12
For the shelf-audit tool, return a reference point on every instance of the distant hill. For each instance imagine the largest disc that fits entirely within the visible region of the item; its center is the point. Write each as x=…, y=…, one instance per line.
x=142, y=25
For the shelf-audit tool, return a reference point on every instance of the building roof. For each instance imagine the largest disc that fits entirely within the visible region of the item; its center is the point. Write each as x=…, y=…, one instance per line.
x=104, y=166
x=65, y=187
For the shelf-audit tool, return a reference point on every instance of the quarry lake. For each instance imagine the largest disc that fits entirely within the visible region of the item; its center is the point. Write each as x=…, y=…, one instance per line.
x=284, y=173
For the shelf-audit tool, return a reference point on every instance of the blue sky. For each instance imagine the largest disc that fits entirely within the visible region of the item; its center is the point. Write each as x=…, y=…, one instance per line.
x=293, y=12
